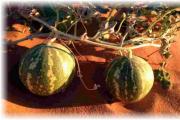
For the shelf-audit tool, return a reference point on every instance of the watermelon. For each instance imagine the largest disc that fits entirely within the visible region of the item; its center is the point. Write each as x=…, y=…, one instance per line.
x=129, y=79
x=47, y=69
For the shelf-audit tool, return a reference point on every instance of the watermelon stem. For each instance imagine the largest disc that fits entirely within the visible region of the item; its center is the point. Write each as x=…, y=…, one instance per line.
x=130, y=53
x=95, y=87
x=124, y=18
x=89, y=40
x=51, y=40
x=160, y=18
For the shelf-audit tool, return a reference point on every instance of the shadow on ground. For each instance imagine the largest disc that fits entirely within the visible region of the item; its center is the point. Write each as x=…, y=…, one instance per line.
x=75, y=94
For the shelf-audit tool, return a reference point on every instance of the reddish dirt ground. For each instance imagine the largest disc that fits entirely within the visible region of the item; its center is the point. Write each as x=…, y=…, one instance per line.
x=76, y=99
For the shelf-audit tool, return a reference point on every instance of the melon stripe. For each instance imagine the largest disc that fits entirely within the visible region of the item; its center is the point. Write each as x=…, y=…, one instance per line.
x=129, y=79
x=47, y=69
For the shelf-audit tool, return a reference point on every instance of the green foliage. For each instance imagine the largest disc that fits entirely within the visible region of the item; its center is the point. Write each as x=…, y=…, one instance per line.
x=163, y=77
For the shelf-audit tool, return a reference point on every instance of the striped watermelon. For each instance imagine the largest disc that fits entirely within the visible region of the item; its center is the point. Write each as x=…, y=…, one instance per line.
x=129, y=79
x=47, y=69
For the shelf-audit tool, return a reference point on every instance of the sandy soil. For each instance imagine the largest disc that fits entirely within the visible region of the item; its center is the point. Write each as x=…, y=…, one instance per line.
x=77, y=100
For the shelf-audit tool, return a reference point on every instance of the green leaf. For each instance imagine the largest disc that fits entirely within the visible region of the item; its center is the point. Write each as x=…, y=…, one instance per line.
x=165, y=84
x=163, y=77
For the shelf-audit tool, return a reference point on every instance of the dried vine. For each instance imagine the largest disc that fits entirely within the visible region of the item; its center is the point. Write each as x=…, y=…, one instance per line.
x=131, y=39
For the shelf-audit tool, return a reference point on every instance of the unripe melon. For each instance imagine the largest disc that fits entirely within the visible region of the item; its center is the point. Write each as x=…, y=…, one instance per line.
x=47, y=69
x=129, y=79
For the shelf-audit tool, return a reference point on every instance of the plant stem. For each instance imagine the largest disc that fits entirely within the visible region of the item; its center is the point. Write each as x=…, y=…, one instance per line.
x=160, y=18
x=124, y=37
x=73, y=24
x=57, y=18
x=28, y=37
x=124, y=18
x=138, y=39
x=69, y=36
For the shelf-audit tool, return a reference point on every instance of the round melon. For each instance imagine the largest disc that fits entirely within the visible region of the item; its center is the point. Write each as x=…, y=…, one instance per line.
x=47, y=69
x=129, y=79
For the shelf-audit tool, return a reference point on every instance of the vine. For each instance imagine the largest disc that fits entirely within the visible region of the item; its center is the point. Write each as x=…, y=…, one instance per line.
x=133, y=35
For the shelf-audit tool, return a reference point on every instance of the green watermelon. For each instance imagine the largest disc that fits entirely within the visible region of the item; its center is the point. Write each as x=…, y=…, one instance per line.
x=47, y=69
x=129, y=79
